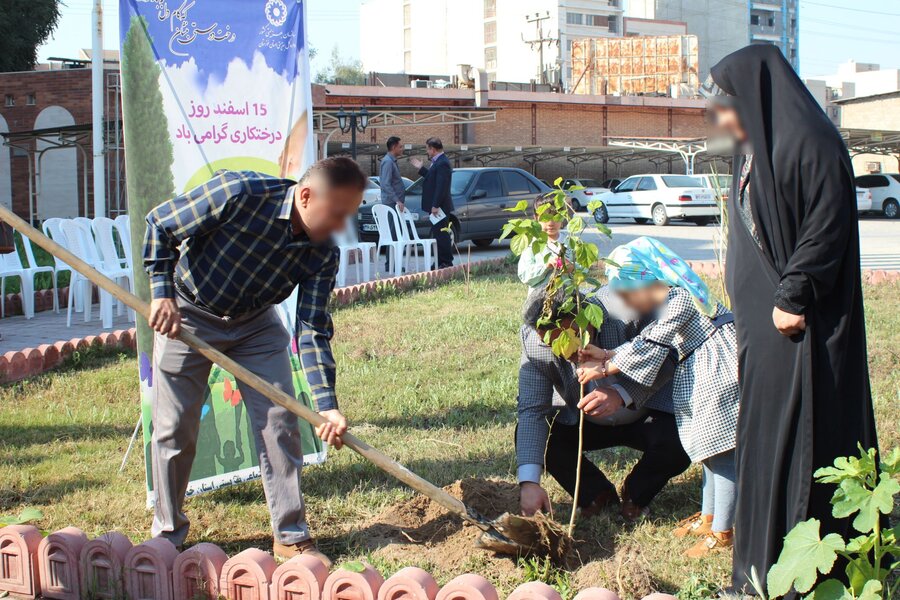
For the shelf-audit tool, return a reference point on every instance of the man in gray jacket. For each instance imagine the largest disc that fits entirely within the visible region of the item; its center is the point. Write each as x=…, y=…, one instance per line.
x=393, y=190
x=619, y=412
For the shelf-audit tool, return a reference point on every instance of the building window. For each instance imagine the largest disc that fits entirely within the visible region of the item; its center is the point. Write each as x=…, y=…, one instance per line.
x=490, y=9
x=569, y=45
x=407, y=38
x=407, y=61
x=490, y=58
x=754, y=19
x=573, y=18
x=407, y=15
x=31, y=100
x=10, y=100
x=596, y=20
x=771, y=21
x=490, y=32
x=613, y=25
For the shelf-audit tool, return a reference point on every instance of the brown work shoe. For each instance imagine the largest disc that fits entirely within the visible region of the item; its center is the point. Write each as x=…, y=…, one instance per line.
x=307, y=547
x=603, y=501
x=632, y=512
x=715, y=541
x=696, y=524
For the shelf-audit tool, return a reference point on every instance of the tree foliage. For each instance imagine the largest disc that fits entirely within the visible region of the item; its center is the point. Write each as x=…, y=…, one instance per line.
x=24, y=26
x=342, y=71
x=150, y=155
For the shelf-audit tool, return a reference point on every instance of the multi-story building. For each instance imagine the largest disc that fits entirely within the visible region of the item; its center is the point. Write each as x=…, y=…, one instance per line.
x=852, y=80
x=513, y=40
x=723, y=26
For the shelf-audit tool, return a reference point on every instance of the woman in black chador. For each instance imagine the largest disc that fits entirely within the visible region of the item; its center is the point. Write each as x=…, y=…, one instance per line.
x=794, y=280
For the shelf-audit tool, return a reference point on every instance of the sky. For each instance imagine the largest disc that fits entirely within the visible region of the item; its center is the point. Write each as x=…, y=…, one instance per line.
x=831, y=31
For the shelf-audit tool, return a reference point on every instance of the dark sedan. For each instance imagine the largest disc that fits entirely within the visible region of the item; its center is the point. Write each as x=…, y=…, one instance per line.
x=479, y=195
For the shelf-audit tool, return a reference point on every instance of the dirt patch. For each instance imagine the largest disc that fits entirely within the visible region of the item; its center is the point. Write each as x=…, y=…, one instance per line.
x=419, y=532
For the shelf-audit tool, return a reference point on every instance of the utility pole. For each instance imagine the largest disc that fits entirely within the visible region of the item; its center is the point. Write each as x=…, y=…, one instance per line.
x=97, y=99
x=538, y=19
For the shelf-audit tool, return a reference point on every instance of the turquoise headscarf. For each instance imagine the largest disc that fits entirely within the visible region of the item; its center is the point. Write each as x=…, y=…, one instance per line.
x=646, y=260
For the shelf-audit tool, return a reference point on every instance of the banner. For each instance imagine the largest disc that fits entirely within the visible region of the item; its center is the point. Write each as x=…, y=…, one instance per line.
x=210, y=85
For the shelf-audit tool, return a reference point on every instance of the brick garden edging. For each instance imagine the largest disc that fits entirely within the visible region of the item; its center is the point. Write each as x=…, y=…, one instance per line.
x=109, y=565
x=16, y=365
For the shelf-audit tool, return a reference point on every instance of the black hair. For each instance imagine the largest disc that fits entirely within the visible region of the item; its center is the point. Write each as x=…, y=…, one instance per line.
x=338, y=171
x=392, y=142
x=434, y=142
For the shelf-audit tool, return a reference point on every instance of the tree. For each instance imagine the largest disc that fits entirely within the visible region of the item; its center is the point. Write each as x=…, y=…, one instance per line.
x=149, y=154
x=342, y=71
x=24, y=26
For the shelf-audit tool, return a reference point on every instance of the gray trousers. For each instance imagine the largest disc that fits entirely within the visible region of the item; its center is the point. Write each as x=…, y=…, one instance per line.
x=259, y=342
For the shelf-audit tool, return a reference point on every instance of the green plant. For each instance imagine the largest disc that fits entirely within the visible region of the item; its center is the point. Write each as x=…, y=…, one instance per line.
x=28, y=515
x=573, y=261
x=698, y=588
x=866, y=487
x=542, y=569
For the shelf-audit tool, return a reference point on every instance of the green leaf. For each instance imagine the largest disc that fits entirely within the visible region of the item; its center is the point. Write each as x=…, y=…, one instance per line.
x=871, y=591
x=848, y=467
x=576, y=225
x=594, y=314
x=803, y=556
x=565, y=344
x=518, y=244
x=520, y=206
x=853, y=496
x=354, y=566
x=861, y=544
x=890, y=464
x=30, y=514
x=594, y=205
x=830, y=589
x=859, y=571
x=508, y=228
x=604, y=229
x=557, y=182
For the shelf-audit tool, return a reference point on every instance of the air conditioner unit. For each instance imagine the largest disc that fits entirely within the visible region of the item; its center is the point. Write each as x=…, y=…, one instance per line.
x=420, y=83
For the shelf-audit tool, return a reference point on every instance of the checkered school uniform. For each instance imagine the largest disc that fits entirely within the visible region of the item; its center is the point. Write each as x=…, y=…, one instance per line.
x=705, y=388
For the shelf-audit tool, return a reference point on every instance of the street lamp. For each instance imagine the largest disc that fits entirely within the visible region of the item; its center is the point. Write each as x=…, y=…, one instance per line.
x=353, y=122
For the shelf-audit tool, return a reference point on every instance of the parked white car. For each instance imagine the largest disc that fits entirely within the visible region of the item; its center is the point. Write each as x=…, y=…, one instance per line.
x=885, y=188
x=581, y=198
x=863, y=200
x=719, y=184
x=659, y=198
x=372, y=194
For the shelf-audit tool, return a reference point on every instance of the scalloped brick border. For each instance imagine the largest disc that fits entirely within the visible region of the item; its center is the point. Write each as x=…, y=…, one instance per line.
x=157, y=562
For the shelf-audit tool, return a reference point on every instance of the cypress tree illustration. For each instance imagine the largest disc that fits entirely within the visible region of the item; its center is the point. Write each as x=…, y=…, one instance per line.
x=148, y=148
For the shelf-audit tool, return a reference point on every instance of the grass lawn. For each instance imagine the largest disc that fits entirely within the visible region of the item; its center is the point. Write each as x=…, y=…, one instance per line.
x=430, y=378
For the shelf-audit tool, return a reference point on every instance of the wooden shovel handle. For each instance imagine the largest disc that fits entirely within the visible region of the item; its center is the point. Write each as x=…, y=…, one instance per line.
x=277, y=396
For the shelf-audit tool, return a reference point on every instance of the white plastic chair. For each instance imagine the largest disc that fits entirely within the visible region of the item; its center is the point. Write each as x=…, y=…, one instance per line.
x=35, y=268
x=11, y=266
x=385, y=216
x=52, y=230
x=109, y=255
x=123, y=227
x=349, y=245
x=411, y=237
x=76, y=237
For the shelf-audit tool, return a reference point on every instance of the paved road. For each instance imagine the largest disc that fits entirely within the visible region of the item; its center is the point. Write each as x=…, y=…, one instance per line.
x=879, y=241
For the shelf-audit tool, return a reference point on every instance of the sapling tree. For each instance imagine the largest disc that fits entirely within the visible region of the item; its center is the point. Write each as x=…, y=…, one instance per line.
x=572, y=262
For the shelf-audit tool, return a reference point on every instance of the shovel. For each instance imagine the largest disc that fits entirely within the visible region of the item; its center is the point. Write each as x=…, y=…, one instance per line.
x=509, y=534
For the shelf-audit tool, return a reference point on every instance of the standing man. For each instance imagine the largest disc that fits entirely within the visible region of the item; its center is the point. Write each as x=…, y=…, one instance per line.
x=436, y=197
x=220, y=258
x=393, y=191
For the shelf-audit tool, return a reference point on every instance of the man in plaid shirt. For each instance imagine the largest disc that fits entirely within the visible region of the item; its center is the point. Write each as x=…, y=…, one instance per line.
x=220, y=258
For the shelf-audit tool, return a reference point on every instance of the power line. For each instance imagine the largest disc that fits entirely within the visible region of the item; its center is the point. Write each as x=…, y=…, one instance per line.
x=880, y=13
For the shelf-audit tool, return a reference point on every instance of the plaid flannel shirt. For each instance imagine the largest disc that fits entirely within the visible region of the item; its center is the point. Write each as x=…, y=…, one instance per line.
x=229, y=247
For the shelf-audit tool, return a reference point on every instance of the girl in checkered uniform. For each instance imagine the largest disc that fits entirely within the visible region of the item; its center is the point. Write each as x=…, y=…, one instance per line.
x=651, y=279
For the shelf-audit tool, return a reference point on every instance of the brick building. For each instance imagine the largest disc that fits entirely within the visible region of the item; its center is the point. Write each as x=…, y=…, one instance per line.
x=40, y=180
x=879, y=112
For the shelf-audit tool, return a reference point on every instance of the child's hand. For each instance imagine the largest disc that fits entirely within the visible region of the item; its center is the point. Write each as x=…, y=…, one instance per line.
x=593, y=353
x=591, y=370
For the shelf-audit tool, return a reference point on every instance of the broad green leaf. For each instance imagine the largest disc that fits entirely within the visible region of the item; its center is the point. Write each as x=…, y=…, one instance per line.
x=566, y=343
x=518, y=244
x=508, y=228
x=890, y=464
x=520, y=206
x=871, y=591
x=859, y=571
x=594, y=314
x=575, y=188
x=30, y=514
x=354, y=566
x=848, y=467
x=861, y=544
x=557, y=182
x=803, y=556
x=853, y=496
x=830, y=589
x=576, y=225
x=594, y=205
x=604, y=229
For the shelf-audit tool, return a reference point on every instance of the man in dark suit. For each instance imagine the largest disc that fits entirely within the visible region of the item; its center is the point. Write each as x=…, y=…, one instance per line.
x=436, y=197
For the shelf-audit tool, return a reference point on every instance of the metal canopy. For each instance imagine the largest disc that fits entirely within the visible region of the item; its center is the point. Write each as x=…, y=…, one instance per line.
x=687, y=149
x=870, y=141
x=325, y=121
